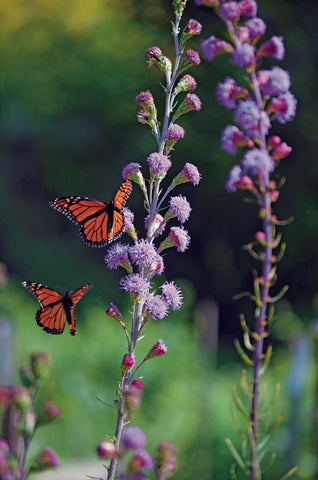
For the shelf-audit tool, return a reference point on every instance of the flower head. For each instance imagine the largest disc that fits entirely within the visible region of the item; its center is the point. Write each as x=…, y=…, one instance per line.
x=137, y=383
x=157, y=266
x=129, y=223
x=113, y=312
x=228, y=92
x=133, y=438
x=230, y=11
x=234, y=176
x=157, y=350
x=134, y=283
x=142, y=253
x=213, y=46
x=274, y=81
x=251, y=119
x=284, y=107
x=132, y=172
x=155, y=307
x=178, y=237
x=142, y=459
x=172, y=295
x=46, y=459
x=192, y=58
x=189, y=173
x=248, y=8
x=117, y=256
x=159, y=164
x=256, y=27
x=257, y=162
x=243, y=55
x=166, y=461
x=232, y=137
x=158, y=225
x=174, y=132
x=20, y=398
x=144, y=99
x=179, y=207
x=186, y=84
x=40, y=364
x=107, y=449
x=274, y=47
x=127, y=363
x=193, y=27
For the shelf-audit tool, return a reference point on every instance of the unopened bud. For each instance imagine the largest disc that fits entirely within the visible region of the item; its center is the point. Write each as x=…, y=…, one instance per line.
x=107, y=449
x=127, y=363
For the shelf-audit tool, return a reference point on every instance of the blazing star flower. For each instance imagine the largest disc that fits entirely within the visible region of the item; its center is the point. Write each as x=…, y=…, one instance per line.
x=175, y=132
x=256, y=27
x=228, y=92
x=243, y=55
x=172, y=295
x=142, y=253
x=113, y=312
x=155, y=307
x=133, y=438
x=178, y=237
x=284, y=107
x=230, y=11
x=132, y=172
x=274, y=81
x=192, y=57
x=213, y=46
x=144, y=98
x=157, y=350
x=158, y=225
x=232, y=137
x=189, y=173
x=274, y=47
x=117, y=256
x=157, y=266
x=158, y=163
x=142, y=459
x=180, y=208
x=257, y=162
x=128, y=221
x=193, y=102
x=248, y=8
x=234, y=177
x=243, y=34
x=135, y=283
x=281, y=151
x=251, y=119
x=193, y=28
x=186, y=84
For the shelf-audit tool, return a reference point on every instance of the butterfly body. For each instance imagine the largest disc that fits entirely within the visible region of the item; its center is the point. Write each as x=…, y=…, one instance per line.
x=55, y=309
x=99, y=223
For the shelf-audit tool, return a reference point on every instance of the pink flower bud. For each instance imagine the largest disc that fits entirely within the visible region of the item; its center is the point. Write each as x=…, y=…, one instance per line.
x=274, y=141
x=281, y=151
x=107, y=449
x=127, y=363
x=157, y=350
x=113, y=312
x=137, y=383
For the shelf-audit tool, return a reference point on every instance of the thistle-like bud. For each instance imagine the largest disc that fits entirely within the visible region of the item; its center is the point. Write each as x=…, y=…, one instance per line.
x=45, y=460
x=174, y=133
x=49, y=411
x=113, y=312
x=155, y=57
x=40, y=365
x=186, y=84
x=127, y=363
x=191, y=102
x=189, y=173
x=107, y=449
x=145, y=100
x=132, y=172
x=157, y=350
x=193, y=27
x=179, y=6
x=21, y=398
x=137, y=383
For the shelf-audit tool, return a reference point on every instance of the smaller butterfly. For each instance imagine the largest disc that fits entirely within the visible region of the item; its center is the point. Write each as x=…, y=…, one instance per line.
x=99, y=223
x=55, y=308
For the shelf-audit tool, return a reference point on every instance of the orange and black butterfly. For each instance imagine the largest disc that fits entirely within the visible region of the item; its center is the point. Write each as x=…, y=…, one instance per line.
x=55, y=308
x=100, y=223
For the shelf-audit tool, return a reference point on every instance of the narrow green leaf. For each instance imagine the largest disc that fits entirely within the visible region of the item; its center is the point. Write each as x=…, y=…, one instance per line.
x=278, y=296
x=236, y=455
x=240, y=404
x=246, y=359
x=267, y=360
x=289, y=473
x=244, y=384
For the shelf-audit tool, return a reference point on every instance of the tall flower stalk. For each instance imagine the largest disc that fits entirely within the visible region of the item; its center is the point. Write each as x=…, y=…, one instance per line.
x=143, y=259
x=264, y=98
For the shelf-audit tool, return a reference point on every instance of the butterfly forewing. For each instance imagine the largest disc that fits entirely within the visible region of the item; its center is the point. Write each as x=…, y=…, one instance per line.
x=77, y=295
x=45, y=295
x=100, y=223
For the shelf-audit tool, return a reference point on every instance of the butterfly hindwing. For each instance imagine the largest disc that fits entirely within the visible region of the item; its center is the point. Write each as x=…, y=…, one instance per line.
x=55, y=309
x=100, y=223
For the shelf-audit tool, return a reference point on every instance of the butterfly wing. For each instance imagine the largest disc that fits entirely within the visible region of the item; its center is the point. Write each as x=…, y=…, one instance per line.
x=51, y=316
x=74, y=299
x=100, y=223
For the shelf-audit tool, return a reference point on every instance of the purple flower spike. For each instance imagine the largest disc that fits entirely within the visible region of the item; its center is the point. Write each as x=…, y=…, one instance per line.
x=256, y=27
x=172, y=295
x=155, y=307
x=180, y=208
x=142, y=253
x=117, y=255
x=257, y=162
x=158, y=163
x=133, y=438
x=134, y=283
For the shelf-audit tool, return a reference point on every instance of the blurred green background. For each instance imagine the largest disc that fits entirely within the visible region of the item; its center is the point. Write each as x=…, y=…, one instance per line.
x=69, y=74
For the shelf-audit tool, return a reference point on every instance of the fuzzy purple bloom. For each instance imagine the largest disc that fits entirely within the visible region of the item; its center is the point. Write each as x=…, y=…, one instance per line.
x=128, y=219
x=248, y=8
x=134, y=283
x=256, y=27
x=257, y=162
x=116, y=255
x=277, y=81
x=285, y=106
x=180, y=208
x=186, y=83
x=230, y=11
x=157, y=350
x=193, y=57
x=157, y=266
x=234, y=176
x=180, y=238
x=213, y=46
x=193, y=101
x=251, y=119
x=158, y=163
x=142, y=459
x=243, y=55
x=172, y=295
x=231, y=138
x=142, y=253
x=227, y=91
x=156, y=307
x=158, y=224
x=274, y=47
x=175, y=132
x=192, y=173
x=48, y=458
x=133, y=438
x=130, y=170
x=144, y=98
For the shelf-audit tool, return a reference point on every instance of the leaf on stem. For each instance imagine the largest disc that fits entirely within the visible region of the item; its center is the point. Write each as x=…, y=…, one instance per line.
x=289, y=473
x=236, y=455
x=246, y=359
x=267, y=360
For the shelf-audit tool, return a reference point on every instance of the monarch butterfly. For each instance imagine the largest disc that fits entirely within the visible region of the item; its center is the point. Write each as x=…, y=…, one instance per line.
x=100, y=223
x=55, y=309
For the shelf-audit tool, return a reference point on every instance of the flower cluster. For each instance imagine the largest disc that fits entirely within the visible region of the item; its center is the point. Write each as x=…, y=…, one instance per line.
x=24, y=420
x=135, y=459
x=267, y=97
